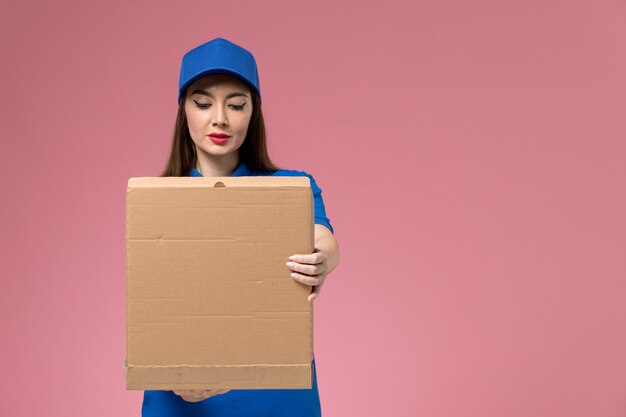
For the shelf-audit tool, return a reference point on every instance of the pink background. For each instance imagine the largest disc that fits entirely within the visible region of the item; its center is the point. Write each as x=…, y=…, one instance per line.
x=472, y=157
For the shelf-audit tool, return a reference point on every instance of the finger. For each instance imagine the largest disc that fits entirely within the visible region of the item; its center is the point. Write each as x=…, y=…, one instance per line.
x=306, y=279
x=312, y=258
x=315, y=293
x=191, y=398
x=220, y=391
x=306, y=269
x=186, y=396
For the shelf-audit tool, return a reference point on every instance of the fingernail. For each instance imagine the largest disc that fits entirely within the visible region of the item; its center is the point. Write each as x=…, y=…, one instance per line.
x=293, y=258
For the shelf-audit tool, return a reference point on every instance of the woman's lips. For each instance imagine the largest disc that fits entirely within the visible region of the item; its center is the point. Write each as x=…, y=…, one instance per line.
x=219, y=140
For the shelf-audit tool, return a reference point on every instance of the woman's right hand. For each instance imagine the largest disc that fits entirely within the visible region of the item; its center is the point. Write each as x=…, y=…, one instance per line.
x=195, y=395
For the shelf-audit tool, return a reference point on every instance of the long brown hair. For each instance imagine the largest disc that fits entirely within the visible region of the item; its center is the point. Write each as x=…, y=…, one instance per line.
x=252, y=152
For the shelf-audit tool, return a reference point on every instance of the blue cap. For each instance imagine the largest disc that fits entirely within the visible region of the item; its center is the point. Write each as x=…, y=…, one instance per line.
x=215, y=57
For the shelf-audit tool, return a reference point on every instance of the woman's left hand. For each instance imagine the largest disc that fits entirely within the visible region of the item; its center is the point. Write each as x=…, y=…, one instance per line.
x=310, y=269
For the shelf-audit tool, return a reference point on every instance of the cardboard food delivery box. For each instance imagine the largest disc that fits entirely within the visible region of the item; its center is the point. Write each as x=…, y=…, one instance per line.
x=210, y=302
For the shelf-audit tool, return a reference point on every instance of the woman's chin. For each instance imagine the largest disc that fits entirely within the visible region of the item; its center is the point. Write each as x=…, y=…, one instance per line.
x=214, y=149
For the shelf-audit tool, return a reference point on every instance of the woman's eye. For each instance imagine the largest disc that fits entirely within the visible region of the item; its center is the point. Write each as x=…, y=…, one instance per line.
x=202, y=106
x=206, y=106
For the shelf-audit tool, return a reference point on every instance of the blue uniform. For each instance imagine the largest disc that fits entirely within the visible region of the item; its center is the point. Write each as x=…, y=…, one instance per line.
x=246, y=403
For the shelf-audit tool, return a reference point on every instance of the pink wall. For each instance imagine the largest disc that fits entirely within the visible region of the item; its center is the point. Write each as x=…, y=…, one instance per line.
x=472, y=157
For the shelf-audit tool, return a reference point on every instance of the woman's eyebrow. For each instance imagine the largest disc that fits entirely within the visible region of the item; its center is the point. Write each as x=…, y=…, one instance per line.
x=206, y=93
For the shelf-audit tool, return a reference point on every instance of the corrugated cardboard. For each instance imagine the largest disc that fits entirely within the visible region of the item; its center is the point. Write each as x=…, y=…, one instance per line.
x=210, y=301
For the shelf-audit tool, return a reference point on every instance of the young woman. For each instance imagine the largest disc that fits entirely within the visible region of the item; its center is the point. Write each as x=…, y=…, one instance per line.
x=220, y=131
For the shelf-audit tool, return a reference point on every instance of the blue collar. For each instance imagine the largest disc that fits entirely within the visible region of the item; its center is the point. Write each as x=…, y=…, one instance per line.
x=242, y=170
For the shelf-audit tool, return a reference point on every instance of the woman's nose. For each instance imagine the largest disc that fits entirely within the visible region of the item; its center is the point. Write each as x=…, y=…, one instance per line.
x=219, y=116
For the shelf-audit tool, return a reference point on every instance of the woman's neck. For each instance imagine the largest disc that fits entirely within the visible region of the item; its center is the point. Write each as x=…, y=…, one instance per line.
x=216, y=166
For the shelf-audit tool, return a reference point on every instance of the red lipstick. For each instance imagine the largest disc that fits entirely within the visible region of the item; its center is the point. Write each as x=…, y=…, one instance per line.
x=219, y=138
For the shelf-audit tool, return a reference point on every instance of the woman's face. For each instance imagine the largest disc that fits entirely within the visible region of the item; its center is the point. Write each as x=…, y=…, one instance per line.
x=218, y=103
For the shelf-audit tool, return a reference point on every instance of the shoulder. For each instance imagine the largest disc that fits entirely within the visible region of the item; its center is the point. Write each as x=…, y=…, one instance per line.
x=294, y=173
x=290, y=173
x=298, y=173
